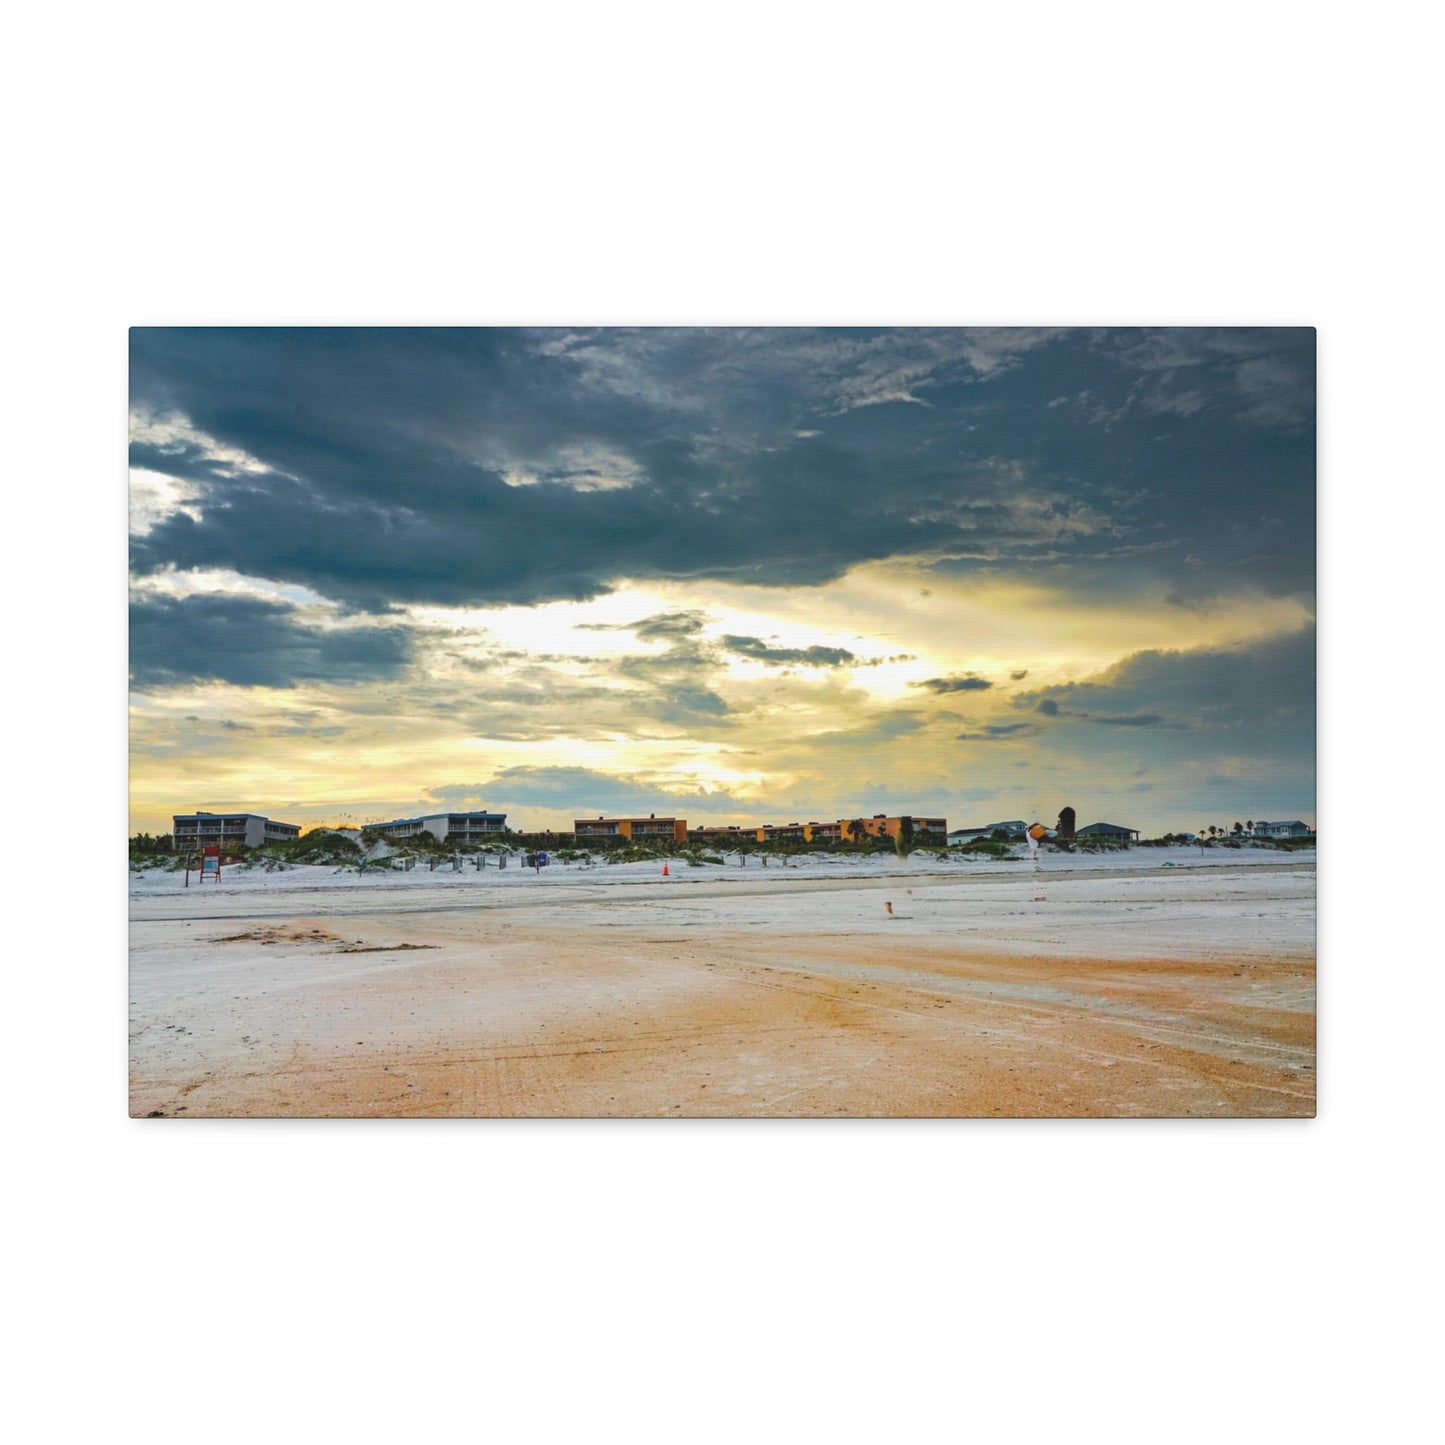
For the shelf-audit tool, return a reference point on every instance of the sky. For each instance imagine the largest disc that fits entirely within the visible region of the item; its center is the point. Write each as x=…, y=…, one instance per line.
x=735, y=575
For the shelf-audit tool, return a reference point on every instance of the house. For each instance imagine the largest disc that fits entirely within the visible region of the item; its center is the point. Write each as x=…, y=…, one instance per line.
x=1111, y=831
x=249, y=830
x=1292, y=829
x=470, y=827
x=631, y=829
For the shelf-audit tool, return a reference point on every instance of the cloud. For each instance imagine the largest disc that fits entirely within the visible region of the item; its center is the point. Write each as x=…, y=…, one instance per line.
x=970, y=682
x=1135, y=720
x=214, y=637
x=761, y=651
x=996, y=732
x=1264, y=376
x=895, y=723
x=469, y=796
x=466, y=467
x=663, y=626
x=1267, y=688
x=587, y=792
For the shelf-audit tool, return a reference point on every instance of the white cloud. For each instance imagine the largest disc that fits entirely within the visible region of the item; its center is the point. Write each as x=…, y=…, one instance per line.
x=583, y=468
x=154, y=497
x=172, y=432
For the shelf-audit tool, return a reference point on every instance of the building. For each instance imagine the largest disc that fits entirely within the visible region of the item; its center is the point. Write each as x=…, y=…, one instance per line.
x=839, y=831
x=1292, y=829
x=247, y=830
x=1110, y=831
x=882, y=826
x=879, y=826
x=631, y=829
x=1013, y=828
x=474, y=827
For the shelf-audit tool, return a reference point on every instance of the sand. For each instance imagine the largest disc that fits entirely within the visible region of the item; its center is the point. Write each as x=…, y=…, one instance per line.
x=1108, y=986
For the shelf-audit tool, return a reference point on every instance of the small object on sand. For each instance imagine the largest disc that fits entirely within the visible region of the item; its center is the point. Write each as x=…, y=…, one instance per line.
x=664, y=870
x=889, y=907
x=1041, y=899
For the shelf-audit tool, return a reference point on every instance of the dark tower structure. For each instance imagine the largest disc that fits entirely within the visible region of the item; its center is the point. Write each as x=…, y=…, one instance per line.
x=1066, y=825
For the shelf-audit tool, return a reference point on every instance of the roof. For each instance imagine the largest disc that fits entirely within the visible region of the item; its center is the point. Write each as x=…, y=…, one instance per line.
x=626, y=819
x=186, y=817
x=1106, y=827
x=404, y=822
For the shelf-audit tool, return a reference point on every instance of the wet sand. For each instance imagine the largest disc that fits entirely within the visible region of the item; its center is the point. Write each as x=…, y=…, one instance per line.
x=1138, y=995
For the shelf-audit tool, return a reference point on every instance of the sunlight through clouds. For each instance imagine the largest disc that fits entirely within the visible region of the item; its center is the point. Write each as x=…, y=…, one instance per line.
x=753, y=571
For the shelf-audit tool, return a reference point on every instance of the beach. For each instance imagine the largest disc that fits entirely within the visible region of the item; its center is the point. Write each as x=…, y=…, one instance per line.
x=1163, y=982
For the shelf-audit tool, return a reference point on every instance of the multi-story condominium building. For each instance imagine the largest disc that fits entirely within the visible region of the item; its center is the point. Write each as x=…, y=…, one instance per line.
x=474, y=827
x=631, y=829
x=882, y=826
x=784, y=833
x=843, y=829
x=249, y=830
x=1012, y=828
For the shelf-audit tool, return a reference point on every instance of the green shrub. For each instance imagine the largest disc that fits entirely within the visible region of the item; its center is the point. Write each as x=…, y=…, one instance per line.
x=320, y=846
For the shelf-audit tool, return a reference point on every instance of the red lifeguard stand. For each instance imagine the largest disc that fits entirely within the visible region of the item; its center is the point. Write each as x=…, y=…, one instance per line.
x=210, y=863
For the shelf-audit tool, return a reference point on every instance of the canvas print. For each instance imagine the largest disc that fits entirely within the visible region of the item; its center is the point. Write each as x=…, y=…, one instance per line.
x=722, y=722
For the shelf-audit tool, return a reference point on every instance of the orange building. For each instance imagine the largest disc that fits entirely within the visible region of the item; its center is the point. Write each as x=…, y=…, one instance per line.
x=843, y=830
x=882, y=826
x=632, y=829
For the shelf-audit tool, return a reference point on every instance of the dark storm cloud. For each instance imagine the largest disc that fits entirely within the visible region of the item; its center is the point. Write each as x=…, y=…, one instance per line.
x=761, y=651
x=996, y=732
x=969, y=683
x=210, y=637
x=1136, y=720
x=380, y=467
x=1264, y=689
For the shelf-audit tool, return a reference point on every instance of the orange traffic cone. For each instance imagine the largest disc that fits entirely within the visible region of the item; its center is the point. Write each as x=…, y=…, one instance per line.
x=664, y=870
